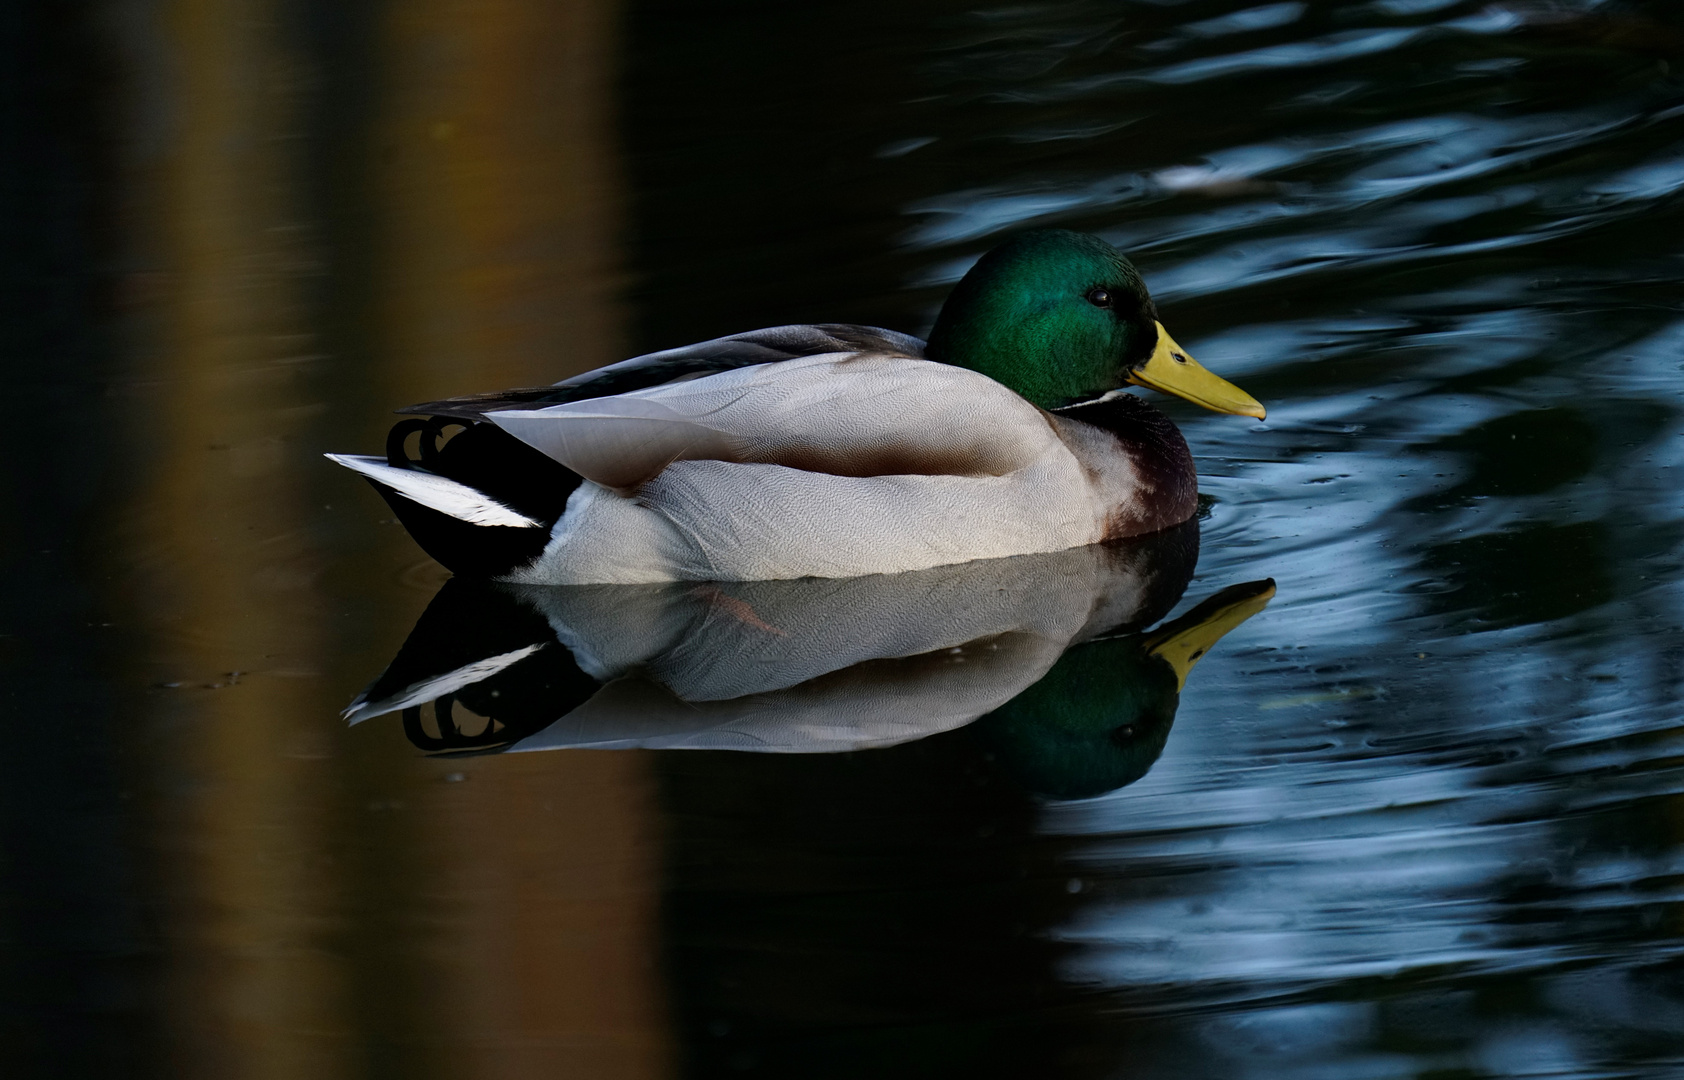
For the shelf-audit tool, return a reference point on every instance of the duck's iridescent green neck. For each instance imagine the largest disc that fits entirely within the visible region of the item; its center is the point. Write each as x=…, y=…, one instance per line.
x=1026, y=316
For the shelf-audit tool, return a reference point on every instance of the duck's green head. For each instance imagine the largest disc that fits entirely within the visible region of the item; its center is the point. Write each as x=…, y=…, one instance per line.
x=1062, y=317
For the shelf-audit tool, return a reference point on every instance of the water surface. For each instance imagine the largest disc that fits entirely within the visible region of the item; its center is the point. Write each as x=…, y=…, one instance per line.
x=1418, y=816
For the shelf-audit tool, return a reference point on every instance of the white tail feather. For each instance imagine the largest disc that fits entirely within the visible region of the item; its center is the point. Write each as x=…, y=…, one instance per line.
x=438, y=493
x=436, y=687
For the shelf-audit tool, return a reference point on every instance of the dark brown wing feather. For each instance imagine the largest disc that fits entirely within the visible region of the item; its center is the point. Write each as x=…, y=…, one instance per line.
x=474, y=406
x=704, y=358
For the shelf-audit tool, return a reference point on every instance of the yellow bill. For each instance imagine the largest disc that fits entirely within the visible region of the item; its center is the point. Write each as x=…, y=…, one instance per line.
x=1185, y=641
x=1172, y=371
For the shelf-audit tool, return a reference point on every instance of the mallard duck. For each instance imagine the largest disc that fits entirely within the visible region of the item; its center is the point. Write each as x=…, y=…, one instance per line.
x=827, y=450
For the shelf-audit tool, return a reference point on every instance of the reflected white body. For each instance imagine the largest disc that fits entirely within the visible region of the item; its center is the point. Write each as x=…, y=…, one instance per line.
x=822, y=665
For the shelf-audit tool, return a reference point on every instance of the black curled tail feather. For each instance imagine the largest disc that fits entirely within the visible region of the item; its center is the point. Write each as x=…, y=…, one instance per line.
x=486, y=458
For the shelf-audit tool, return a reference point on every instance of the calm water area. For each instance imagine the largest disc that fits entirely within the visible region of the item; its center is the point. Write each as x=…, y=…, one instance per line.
x=1419, y=813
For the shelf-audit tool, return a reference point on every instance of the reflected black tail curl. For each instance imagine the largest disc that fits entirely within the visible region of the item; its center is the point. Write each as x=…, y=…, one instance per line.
x=452, y=740
x=486, y=458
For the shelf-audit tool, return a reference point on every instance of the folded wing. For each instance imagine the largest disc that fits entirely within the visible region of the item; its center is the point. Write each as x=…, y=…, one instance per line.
x=845, y=414
x=766, y=346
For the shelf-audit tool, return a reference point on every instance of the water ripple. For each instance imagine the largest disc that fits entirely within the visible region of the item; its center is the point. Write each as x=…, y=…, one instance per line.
x=1438, y=240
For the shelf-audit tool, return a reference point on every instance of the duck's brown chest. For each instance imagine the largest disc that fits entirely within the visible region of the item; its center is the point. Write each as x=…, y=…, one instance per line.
x=1137, y=462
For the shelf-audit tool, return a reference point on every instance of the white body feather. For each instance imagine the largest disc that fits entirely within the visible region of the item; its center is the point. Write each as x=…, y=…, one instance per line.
x=826, y=466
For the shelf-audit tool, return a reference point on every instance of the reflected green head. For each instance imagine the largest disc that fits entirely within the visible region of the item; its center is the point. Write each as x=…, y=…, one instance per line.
x=1095, y=722
x=1057, y=316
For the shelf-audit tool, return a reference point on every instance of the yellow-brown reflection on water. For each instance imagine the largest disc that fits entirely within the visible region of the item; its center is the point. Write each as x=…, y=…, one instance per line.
x=497, y=266
x=219, y=512
x=547, y=870
x=328, y=902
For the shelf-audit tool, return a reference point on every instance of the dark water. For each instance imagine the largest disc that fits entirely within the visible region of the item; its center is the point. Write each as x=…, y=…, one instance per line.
x=1418, y=816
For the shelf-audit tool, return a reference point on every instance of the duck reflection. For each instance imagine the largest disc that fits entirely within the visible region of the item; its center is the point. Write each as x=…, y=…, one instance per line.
x=1051, y=651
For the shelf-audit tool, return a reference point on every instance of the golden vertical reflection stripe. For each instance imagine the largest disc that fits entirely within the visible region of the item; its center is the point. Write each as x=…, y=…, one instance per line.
x=496, y=267
x=548, y=865
x=498, y=190
x=224, y=578
x=327, y=897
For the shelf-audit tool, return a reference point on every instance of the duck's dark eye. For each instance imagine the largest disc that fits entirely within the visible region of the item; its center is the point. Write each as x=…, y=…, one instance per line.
x=1099, y=297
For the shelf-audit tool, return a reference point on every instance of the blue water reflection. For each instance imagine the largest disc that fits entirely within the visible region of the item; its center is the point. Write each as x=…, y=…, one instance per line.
x=1440, y=244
